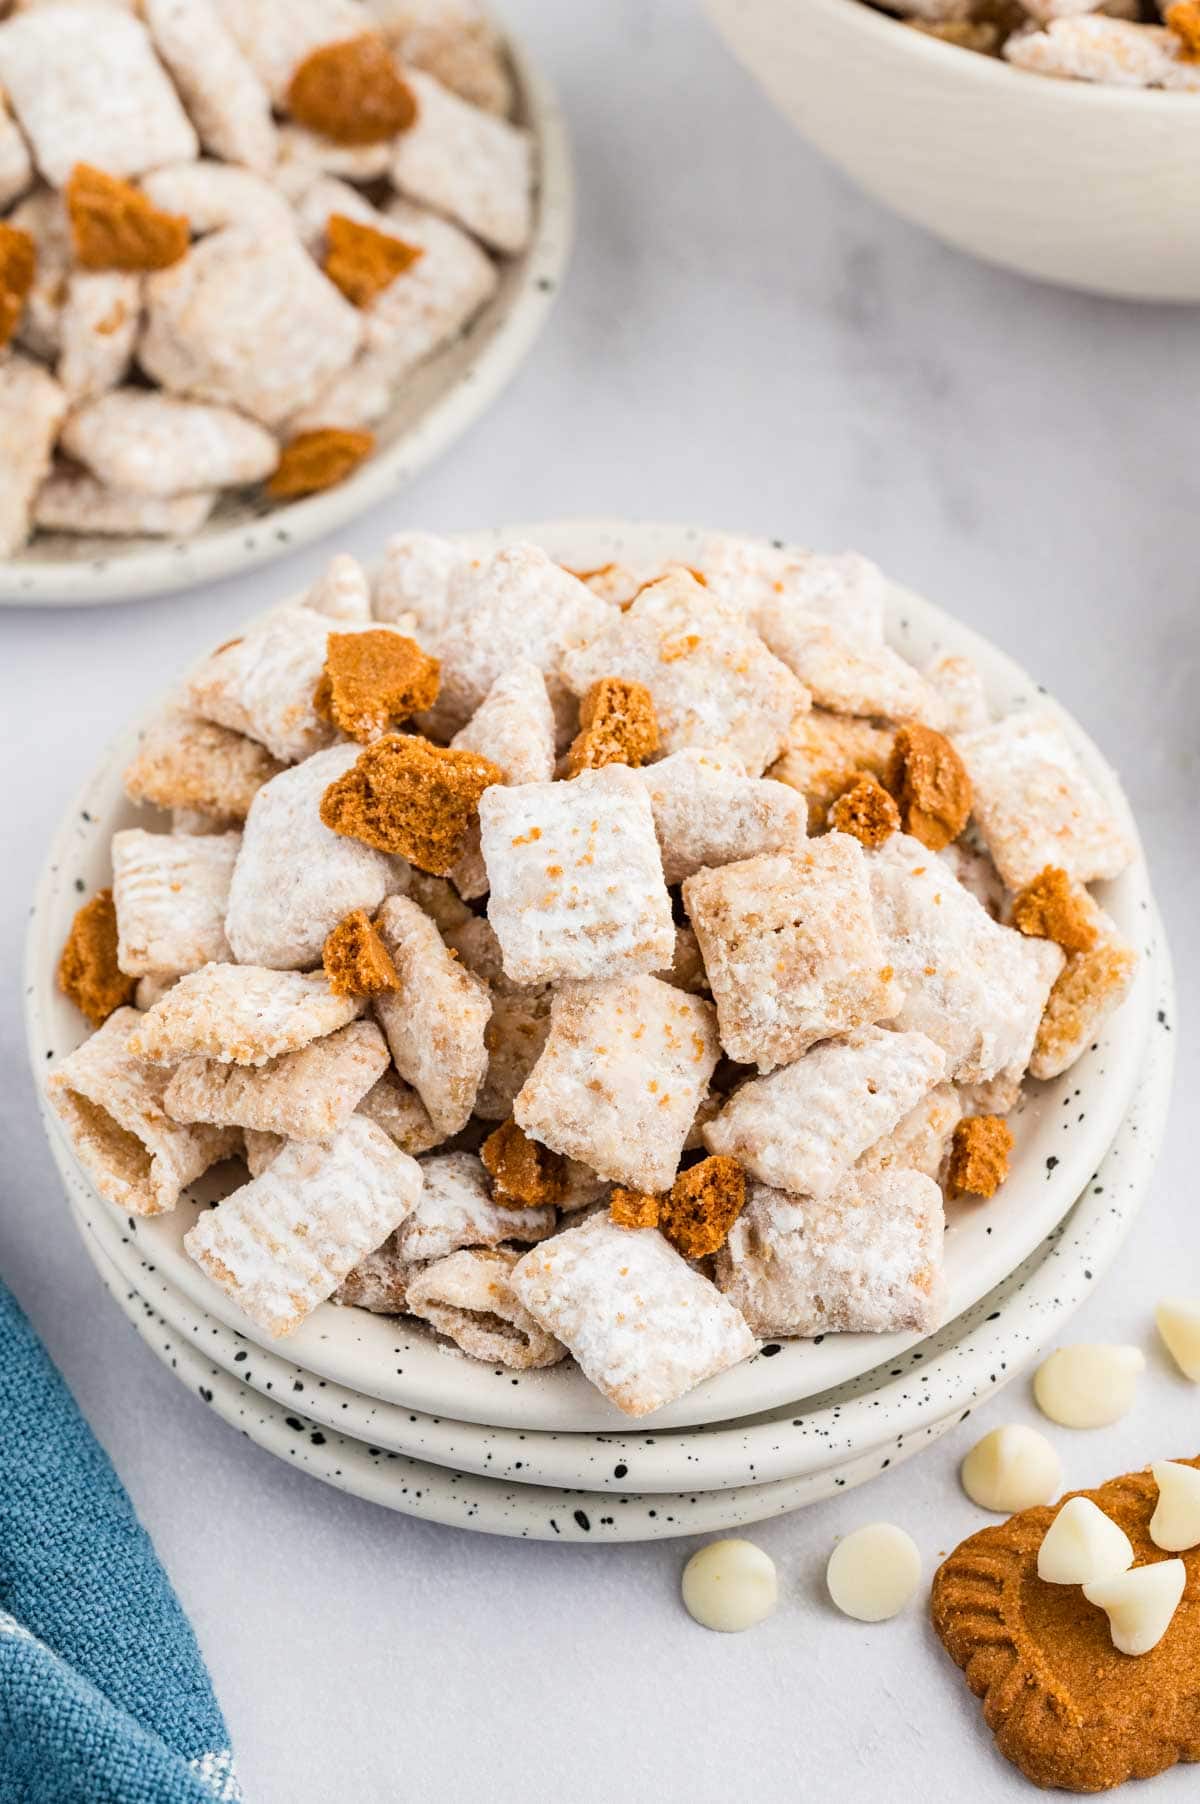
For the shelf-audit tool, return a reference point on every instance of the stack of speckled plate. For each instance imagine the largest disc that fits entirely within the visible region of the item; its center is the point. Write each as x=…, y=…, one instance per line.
x=379, y=1407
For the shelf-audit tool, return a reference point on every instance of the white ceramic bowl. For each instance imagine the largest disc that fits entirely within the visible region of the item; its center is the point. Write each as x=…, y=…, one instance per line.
x=1092, y=187
x=1056, y=1152
x=434, y=406
x=884, y=1411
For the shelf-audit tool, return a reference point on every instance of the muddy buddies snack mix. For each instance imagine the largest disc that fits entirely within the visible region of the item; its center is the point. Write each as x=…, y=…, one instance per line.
x=1118, y=43
x=563, y=979
x=229, y=235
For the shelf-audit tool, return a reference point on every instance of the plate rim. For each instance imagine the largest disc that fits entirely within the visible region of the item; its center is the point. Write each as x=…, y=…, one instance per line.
x=137, y=568
x=709, y=1403
x=1049, y=1281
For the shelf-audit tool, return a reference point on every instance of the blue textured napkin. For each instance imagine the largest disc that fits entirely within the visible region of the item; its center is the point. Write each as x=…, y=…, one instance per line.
x=104, y=1697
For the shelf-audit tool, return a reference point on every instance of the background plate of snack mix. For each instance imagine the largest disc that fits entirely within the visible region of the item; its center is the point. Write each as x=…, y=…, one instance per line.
x=1062, y=1130
x=434, y=404
x=969, y=1360
x=891, y=1408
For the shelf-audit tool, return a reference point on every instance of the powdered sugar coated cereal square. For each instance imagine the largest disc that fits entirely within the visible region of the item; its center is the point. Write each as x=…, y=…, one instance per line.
x=72, y=501
x=844, y=673
x=841, y=587
x=468, y=164
x=152, y=444
x=621, y=1076
x=97, y=326
x=802, y=1128
x=305, y=1095
x=227, y=102
x=111, y=1106
x=866, y=1260
x=282, y=1244
x=247, y=320
x=576, y=878
x=791, y=949
x=243, y=1014
x=455, y=1210
x=1035, y=805
x=295, y=879
x=262, y=684
x=171, y=891
x=920, y=1140
x=643, y=1325
x=275, y=36
x=86, y=86
x=185, y=762
x=435, y=1023
x=707, y=811
x=713, y=682
x=974, y=986
x=32, y=408
x=468, y=1297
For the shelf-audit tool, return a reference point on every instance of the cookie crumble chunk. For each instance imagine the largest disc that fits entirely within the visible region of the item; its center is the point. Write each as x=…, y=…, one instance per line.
x=88, y=971
x=979, y=1150
x=319, y=460
x=866, y=811
x=361, y=261
x=18, y=267
x=525, y=1174
x=406, y=796
x=702, y=1205
x=634, y=1208
x=930, y=784
x=1051, y=907
x=1184, y=20
x=374, y=680
x=352, y=91
x=114, y=226
x=619, y=726
x=356, y=961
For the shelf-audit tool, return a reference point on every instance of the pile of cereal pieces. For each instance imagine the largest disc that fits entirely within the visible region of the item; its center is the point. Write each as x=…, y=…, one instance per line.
x=229, y=231
x=621, y=963
x=1117, y=43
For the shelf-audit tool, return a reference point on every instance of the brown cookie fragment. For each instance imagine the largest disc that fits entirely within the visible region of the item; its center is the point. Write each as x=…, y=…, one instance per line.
x=352, y=92
x=978, y=1162
x=114, y=226
x=87, y=970
x=409, y=797
x=18, y=267
x=866, y=810
x=1184, y=20
x=930, y=783
x=634, y=1208
x=318, y=460
x=618, y=725
x=356, y=961
x=1065, y=1706
x=1087, y=990
x=1054, y=908
x=525, y=1174
x=968, y=34
x=374, y=680
x=363, y=262
x=702, y=1206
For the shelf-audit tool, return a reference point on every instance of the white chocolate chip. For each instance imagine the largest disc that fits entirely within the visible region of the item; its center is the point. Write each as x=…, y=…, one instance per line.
x=1088, y=1386
x=1012, y=1468
x=730, y=1585
x=1139, y=1604
x=872, y=1573
x=1083, y=1546
x=1178, y=1321
x=1175, y=1524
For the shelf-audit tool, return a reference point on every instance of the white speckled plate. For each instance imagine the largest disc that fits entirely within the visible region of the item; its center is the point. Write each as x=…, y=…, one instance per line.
x=436, y=405
x=942, y=1379
x=1062, y=1132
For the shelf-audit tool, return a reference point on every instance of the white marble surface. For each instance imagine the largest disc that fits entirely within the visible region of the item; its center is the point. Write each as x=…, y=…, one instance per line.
x=743, y=341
